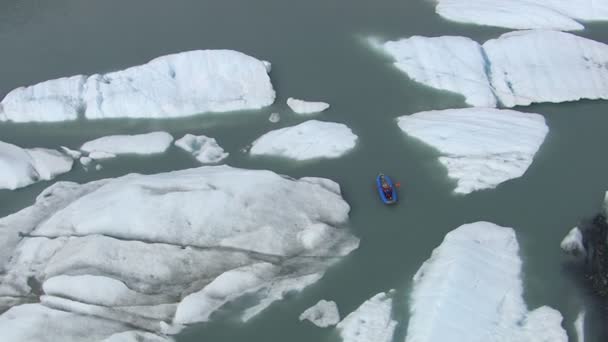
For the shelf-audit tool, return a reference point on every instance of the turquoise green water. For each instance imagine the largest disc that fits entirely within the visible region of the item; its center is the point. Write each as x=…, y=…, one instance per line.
x=317, y=53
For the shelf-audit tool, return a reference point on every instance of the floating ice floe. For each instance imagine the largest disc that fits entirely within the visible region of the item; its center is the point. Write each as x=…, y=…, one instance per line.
x=306, y=107
x=274, y=117
x=309, y=140
x=372, y=321
x=579, y=326
x=175, y=85
x=480, y=147
x=471, y=290
x=113, y=145
x=21, y=167
x=518, y=68
x=323, y=314
x=185, y=243
x=524, y=14
x=573, y=243
x=206, y=150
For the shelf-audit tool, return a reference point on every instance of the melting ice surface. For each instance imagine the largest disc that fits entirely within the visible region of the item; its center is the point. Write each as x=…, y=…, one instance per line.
x=471, y=290
x=175, y=85
x=21, y=167
x=189, y=241
x=309, y=140
x=518, y=68
x=480, y=147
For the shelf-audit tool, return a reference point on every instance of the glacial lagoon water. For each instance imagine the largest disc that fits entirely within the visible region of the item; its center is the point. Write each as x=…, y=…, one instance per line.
x=318, y=52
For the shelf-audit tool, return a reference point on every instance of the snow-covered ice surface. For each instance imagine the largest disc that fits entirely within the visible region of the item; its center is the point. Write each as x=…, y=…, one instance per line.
x=471, y=290
x=579, y=326
x=372, y=321
x=149, y=143
x=188, y=242
x=573, y=242
x=21, y=167
x=480, y=147
x=309, y=140
x=524, y=14
x=306, y=107
x=518, y=68
x=449, y=63
x=323, y=314
x=175, y=85
x=206, y=150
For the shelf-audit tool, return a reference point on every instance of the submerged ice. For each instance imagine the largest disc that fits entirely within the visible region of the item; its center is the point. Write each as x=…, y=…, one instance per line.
x=175, y=85
x=471, y=290
x=186, y=243
x=480, y=147
x=518, y=68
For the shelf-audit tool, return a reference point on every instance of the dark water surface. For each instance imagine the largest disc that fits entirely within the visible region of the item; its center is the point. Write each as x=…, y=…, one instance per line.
x=318, y=52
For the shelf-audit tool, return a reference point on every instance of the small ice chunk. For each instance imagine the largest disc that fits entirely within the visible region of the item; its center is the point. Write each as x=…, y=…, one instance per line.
x=98, y=167
x=85, y=161
x=470, y=289
x=573, y=243
x=100, y=155
x=372, y=321
x=309, y=140
x=206, y=150
x=274, y=117
x=306, y=107
x=149, y=143
x=323, y=314
x=72, y=153
x=480, y=147
x=579, y=326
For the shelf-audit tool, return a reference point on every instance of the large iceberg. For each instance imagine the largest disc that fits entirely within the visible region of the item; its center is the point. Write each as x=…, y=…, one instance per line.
x=175, y=85
x=524, y=14
x=149, y=143
x=154, y=252
x=480, y=147
x=372, y=321
x=471, y=290
x=309, y=140
x=21, y=167
x=518, y=68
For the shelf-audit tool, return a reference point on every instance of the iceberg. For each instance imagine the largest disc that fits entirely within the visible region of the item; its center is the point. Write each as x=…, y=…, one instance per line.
x=149, y=143
x=176, y=85
x=206, y=150
x=471, y=290
x=186, y=243
x=518, y=68
x=573, y=243
x=524, y=14
x=449, y=63
x=309, y=140
x=323, y=314
x=21, y=167
x=480, y=147
x=371, y=321
x=306, y=107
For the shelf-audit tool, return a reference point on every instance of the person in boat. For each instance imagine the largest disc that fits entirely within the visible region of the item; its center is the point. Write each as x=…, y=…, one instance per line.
x=388, y=191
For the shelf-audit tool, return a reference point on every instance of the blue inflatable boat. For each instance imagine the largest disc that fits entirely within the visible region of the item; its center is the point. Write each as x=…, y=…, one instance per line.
x=386, y=189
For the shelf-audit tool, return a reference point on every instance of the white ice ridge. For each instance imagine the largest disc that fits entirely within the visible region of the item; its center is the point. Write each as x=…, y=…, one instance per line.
x=21, y=167
x=309, y=140
x=175, y=85
x=524, y=14
x=518, y=68
x=155, y=252
x=205, y=149
x=323, y=314
x=372, y=321
x=480, y=147
x=579, y=326
x=306, y=107
x=149, y=143
x=471, y=290
x=573, y=243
